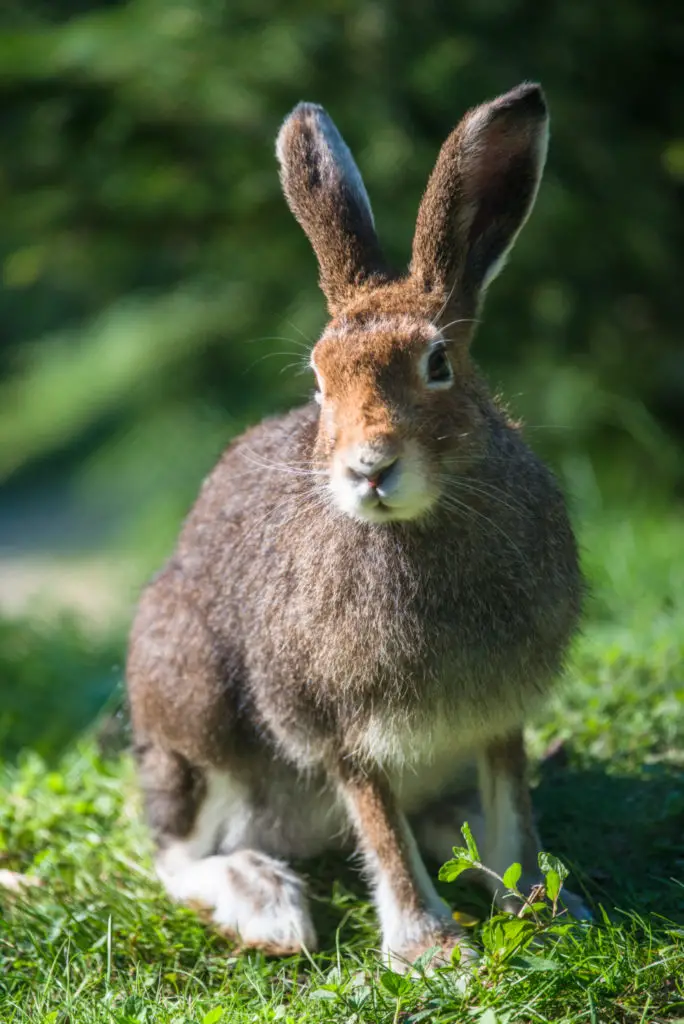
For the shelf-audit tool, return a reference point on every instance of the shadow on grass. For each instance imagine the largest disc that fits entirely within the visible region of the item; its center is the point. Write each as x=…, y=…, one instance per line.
x=621, y=835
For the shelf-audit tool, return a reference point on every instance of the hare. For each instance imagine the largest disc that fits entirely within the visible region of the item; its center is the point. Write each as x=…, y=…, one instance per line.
x=371, y=592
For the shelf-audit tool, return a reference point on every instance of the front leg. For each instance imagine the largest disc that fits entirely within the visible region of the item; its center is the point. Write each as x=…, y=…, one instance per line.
x=510, y=833
x=412, y=916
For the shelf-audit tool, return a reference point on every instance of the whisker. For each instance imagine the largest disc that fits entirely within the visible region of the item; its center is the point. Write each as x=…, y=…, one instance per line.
x=546, y=426
x=263, y=520
x=282, y=467
x=259, y=468
x=462, y=460
x=308, y=340
x=476, y=481
x=460, y=320
x=445, y=303
x=268, y=355
x=303, y=368
x=304, y=463
x=455, y=504
x=279, y=337
x=490, y=493
x=459, y=437
x=315, y=499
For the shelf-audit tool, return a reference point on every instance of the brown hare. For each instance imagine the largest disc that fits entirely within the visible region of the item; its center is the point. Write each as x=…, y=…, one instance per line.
x=371, y=592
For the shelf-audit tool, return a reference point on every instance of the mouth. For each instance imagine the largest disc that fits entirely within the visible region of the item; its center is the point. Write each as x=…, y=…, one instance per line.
x=373, y=509
x=399, y=492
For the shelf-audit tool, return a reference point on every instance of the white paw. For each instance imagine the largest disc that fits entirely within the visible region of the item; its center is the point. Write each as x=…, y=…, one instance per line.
x=249, y=896
x=14, y=881
x=265, y=904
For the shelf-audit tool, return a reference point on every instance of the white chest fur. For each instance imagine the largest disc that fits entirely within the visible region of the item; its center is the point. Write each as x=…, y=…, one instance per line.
x=423, y=759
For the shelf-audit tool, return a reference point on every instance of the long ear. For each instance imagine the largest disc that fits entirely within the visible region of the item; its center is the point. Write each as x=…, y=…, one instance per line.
x=325, y=191
x=480, y=194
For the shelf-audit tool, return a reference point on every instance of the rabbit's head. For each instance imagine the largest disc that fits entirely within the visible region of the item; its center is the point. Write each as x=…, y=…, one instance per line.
x=401, y=404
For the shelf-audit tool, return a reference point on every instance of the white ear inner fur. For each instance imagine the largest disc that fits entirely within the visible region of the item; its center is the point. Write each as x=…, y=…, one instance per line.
x=540, y=145
x=336, y=161
x=320, y=394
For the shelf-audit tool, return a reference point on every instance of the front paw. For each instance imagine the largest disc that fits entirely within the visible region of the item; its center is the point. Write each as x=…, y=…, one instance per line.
x=447, y=942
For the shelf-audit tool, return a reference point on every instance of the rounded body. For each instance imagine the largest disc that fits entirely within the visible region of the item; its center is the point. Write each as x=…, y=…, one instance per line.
x=283, y=630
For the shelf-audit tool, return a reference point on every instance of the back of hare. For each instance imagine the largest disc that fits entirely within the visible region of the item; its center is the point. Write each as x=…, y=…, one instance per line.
x=371, y=592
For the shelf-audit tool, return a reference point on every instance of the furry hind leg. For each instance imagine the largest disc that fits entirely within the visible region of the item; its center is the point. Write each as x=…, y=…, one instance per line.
x=215, y=865
x=511, y=835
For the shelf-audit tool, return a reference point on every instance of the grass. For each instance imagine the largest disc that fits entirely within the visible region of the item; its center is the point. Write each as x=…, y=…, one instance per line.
x=99, y=942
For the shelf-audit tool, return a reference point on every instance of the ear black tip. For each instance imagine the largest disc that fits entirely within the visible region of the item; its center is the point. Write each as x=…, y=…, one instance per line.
x=305, y=121
x=301, y=116
x=527, y=99
x=303, y=110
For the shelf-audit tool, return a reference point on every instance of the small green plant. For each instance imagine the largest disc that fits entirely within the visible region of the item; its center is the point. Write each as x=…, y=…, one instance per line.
x=534, y=916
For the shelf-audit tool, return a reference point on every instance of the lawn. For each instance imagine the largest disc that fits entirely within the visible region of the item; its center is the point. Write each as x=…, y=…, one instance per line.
x=97, y=941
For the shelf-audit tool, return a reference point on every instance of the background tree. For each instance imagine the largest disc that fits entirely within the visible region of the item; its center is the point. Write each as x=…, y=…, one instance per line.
x=155, y=289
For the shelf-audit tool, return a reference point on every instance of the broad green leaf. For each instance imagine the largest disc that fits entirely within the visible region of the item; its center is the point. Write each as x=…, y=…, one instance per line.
x=423, y=962
x=323, y=993
x=507, y=933
x=535, y=908
x=453, y=868
x=563, y=927
x=553, y=884
x=547, y=862
x=396, y=984
x=512, y=875
x=465, y=920
x=213, y=1015
x=534, y=963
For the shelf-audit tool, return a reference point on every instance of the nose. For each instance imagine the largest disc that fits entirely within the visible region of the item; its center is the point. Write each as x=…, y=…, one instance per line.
x=376, y=472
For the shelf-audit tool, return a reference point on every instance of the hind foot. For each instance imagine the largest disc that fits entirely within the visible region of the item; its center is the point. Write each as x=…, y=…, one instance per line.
x=248, y=896
x=442, y=936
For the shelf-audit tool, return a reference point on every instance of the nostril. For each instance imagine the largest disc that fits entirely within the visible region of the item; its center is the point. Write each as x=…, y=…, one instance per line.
x=375, y=474
x=381, y=477
x=355, y=475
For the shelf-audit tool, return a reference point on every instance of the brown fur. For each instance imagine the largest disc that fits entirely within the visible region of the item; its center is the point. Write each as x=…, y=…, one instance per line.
x=373, y=806
x=323, y=201
x=482, y=188
x=282, y=631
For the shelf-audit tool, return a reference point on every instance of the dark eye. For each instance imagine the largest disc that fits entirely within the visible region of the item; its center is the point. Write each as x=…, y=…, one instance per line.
x=438, y=366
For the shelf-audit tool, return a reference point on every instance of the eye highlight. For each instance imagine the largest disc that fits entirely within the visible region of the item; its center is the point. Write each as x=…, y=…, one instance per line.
x=437, y=368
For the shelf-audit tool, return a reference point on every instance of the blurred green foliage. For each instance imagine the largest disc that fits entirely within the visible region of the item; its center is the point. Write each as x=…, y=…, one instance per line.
x=155, y=289
x=56, y=677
